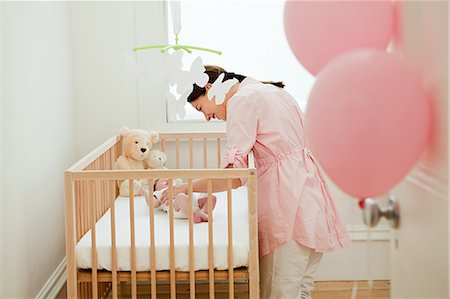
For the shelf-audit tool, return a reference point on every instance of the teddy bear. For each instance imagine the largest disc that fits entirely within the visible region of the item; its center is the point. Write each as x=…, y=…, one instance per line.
x=136, y=144
x=156, y=159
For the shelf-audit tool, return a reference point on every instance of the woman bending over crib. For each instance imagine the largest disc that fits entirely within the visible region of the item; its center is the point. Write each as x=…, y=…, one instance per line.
x=180, y=202
x=297, y=218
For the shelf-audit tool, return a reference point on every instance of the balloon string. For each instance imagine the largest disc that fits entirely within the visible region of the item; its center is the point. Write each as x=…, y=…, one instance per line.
x=369, y=251
x=355, y=284
x=354, y=289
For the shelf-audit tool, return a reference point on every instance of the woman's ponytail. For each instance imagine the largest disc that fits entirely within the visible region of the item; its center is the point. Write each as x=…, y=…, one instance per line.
x=277, y=84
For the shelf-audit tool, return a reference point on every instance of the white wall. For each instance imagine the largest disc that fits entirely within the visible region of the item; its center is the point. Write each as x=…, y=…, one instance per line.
x=2, y=173
x=37, y=141
x=106, y=94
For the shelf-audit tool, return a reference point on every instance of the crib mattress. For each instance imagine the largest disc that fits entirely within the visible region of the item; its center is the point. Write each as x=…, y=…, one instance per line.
x=162, y=237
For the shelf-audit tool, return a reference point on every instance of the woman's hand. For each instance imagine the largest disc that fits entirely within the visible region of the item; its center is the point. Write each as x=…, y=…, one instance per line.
x=180, y=188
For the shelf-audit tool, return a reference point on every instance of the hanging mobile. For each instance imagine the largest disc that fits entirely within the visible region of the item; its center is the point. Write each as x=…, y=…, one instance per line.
x=184, y=80
x=176, y=20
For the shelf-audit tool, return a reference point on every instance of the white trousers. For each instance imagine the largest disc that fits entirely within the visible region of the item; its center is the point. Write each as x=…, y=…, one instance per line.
x=288, y=272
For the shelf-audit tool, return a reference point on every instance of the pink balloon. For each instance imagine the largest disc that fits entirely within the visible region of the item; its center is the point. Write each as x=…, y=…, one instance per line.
x=367, y=120
x=317, y=31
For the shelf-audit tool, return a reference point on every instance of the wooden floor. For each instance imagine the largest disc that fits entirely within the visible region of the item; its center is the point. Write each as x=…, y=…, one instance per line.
x=343, y=290
x=322, y=290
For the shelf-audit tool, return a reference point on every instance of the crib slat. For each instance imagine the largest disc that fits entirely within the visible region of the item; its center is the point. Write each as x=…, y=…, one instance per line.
x=101, y=289
x=82, y=289
x=211, y=242
x=172, y=245
x=104, y=185
x=100, y=190
x=70, y=237
x=191, y=244
x=177, y=149
x=84, y=201
x=100, y=206
x=79, y=200
x=113, y=240
x=133, y=242
x=152, y=241
x=205, y=155
x=253, y=263
x=108, y=158
x=77, y=210
x=230, y=243
x=92, y=206
x=86, y=205
x=98, y=211
x=99, y=200
x=162, y=145
x=218, y=153
x=105, y=198
x=191, y=154
x=83, y=198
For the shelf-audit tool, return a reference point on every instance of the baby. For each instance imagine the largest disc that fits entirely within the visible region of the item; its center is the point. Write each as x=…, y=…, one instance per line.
x=181, y=202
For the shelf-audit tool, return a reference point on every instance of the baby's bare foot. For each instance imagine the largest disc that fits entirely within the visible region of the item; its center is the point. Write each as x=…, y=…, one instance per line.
x=197, y=218
x=203, y=217
x=203, y=204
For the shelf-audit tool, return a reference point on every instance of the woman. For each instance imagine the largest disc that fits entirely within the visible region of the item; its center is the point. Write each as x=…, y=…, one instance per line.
x=297, y=219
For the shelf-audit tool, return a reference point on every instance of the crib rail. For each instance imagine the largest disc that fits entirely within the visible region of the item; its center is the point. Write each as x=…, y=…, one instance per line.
x=164, y=276
x=91, y=190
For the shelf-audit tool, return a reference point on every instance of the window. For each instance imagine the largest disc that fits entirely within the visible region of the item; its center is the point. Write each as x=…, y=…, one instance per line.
x=252, y=39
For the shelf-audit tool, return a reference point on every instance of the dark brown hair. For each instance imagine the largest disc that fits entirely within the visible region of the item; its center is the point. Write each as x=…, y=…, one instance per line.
x=213, y=72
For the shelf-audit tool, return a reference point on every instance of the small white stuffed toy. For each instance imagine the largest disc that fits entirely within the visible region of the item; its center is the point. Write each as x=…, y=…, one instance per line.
x=156, y=159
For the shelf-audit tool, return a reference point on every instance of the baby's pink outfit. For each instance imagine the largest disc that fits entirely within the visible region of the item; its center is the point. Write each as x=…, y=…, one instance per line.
x=294, y=202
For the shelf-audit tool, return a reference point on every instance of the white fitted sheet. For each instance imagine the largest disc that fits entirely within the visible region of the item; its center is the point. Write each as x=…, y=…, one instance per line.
x=162, y=237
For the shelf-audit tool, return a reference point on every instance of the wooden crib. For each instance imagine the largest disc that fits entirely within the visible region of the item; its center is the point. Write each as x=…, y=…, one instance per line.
x=91, y=191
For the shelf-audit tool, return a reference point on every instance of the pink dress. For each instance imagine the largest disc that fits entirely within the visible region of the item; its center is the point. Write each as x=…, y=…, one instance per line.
x=293, y=200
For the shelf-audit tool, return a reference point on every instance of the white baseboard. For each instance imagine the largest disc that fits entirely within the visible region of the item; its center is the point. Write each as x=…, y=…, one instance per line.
x=54, y=284
x=361, y=232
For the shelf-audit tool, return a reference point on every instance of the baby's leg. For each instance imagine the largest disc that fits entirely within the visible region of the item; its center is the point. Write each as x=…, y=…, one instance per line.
x=181, y=202
x=156, y=202
x=203, y=203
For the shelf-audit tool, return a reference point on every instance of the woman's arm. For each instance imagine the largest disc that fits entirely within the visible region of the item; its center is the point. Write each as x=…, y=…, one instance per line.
x=201, y=186
x=218, y=185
